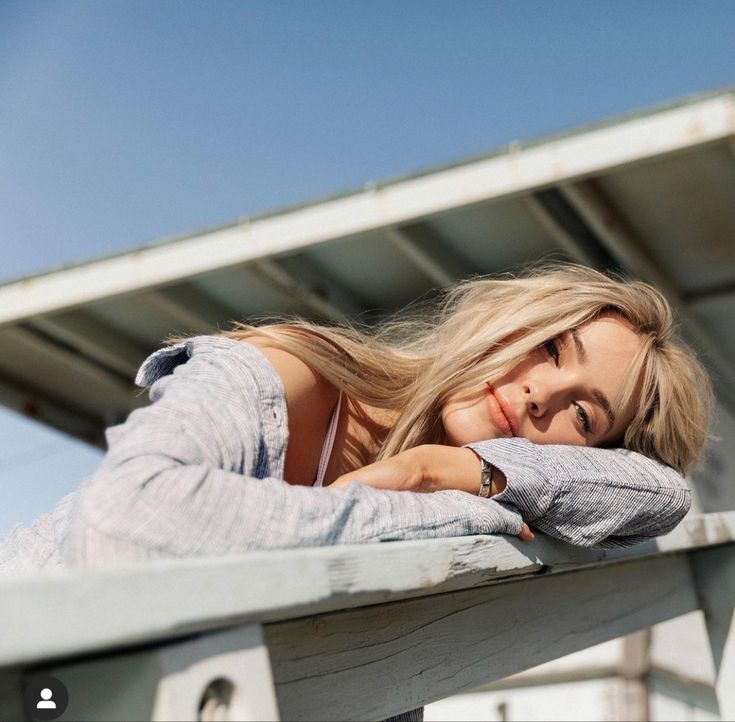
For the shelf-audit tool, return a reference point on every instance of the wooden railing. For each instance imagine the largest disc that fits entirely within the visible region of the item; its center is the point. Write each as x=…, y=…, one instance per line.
x=350, y=632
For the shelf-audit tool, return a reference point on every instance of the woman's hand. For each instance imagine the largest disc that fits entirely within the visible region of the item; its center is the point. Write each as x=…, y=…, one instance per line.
x=402, y=472
x=427, y=468
x=430, y=467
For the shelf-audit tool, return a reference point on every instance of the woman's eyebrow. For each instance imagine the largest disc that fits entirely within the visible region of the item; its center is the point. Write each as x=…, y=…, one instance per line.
x=606, y=407
x=601, y=399
x=581, y=350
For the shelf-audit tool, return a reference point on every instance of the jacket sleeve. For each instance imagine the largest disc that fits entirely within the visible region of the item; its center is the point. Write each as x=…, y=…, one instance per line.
x=588, y=496
x=185, y=476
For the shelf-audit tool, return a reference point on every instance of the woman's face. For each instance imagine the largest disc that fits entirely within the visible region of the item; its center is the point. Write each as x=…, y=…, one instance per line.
x=562, y=393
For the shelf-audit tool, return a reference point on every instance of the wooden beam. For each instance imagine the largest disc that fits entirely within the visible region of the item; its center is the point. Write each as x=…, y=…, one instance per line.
x=187, y=596
x=558, y=233
x=87, y=385
x=375, y=662
x=356, y=632
x=554, y=160
x=95, y=339
x=635, y=666
x=272, y=273
x=184, y=318
x=309, y=273
x=433, y=264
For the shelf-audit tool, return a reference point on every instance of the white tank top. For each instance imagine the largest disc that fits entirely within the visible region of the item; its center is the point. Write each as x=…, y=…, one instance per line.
x=328, y=444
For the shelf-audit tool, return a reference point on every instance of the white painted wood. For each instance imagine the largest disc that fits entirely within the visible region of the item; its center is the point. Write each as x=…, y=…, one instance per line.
x=714, y=574
x=520, y=169
x=238, y=658
x=635, y=666
x=374, y=662
x=91, y=608
x=352, y=632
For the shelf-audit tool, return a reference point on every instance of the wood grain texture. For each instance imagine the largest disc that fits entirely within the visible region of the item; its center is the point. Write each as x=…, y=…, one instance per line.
x=173, y=598
x=375, y=662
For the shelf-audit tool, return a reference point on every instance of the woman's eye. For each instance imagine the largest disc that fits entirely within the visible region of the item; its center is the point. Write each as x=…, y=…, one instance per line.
x=553, y=350
x=584, y=418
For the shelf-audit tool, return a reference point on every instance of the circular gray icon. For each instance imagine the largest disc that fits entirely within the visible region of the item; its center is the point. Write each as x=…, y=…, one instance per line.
x=45, y=697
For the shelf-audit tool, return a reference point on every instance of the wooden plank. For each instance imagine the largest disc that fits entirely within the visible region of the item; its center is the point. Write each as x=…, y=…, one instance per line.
x=96, y=339
x=178, y=597
x=714, y=575
x=375, y=662
x=26, y=353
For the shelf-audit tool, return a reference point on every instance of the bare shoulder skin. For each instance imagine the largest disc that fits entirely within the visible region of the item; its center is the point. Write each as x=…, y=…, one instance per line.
x=310, y=401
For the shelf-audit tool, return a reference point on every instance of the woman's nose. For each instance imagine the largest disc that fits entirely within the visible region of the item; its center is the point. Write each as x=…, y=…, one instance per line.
x=537, y=399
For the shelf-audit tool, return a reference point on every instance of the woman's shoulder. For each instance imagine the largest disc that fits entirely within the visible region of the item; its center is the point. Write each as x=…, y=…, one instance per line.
x=308, y=394
x=219, y=352
x=274, y=370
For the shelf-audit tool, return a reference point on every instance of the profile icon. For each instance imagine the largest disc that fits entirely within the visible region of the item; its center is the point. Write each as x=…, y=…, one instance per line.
x=45, y=697
x=46, y=701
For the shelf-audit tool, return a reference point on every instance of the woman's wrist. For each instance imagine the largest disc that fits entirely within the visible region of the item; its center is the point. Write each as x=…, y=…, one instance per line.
x=454, y=468
x=446, y=468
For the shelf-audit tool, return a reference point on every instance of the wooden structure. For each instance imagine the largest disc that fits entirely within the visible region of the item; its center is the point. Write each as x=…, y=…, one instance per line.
x=650, y=194
x=364, y=632
x=352, y=632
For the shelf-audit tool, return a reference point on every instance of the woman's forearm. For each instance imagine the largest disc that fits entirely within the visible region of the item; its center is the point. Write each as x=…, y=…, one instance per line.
x=449, y=467
x=427, y=468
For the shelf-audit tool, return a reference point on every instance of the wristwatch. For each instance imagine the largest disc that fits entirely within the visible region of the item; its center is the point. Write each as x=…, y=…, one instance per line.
x=486, y=479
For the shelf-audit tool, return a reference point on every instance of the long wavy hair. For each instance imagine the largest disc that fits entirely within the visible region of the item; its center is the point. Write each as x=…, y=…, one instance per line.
x=481, y=328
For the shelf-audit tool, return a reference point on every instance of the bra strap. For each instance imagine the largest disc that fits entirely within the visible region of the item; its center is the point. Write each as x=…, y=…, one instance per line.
x=328, y=444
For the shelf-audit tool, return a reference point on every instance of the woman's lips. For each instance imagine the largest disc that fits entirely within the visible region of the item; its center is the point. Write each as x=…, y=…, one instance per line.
x=499, y=413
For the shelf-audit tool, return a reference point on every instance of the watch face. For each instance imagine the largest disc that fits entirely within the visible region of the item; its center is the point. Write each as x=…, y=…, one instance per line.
x=486, y=475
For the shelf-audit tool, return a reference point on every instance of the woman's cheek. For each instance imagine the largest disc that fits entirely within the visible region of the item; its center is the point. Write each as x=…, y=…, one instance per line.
x=558, y=432
x=466, y=424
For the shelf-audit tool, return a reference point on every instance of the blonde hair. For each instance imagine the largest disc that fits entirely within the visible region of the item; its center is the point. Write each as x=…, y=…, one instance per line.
x=481, y=328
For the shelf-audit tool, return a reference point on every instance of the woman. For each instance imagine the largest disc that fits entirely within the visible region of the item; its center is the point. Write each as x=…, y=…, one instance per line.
x=504, y=393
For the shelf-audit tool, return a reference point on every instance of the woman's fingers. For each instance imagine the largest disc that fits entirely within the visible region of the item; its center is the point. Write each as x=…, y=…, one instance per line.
x=526, y=534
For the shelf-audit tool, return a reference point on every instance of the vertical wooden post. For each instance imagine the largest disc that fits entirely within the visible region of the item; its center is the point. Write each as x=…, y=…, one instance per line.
x=225, y=675
x=634, y=669
x=714, y=576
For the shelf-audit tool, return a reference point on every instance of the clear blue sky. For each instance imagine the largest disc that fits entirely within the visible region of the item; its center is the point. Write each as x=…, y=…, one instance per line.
x=124, y=122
